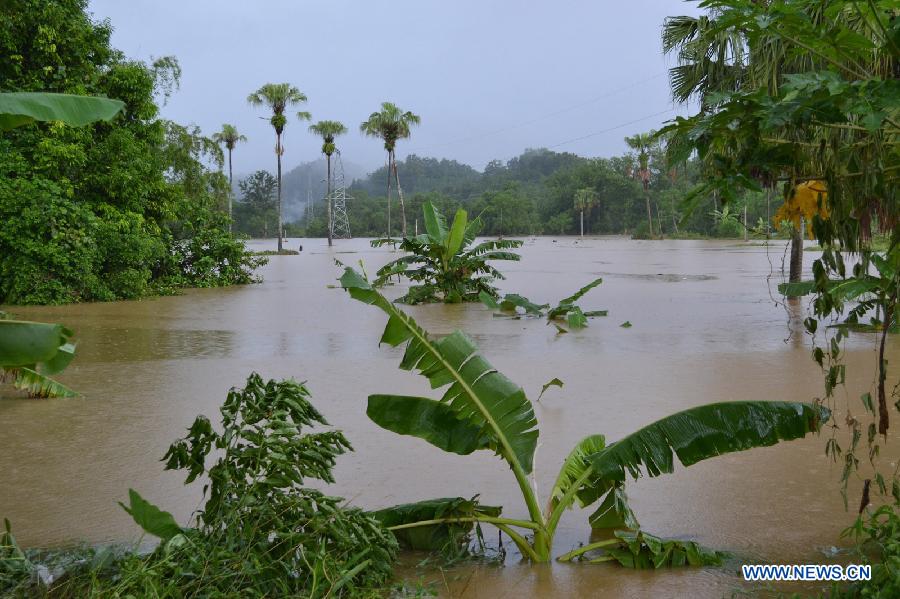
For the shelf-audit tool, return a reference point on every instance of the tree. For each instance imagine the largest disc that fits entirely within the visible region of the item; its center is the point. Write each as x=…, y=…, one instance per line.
x=277, y=97
x=585, y=199
x=328, y=130
x=642, y=142
x=391, y=124
x=111, y=210
x=256, y=208
x=229, y=137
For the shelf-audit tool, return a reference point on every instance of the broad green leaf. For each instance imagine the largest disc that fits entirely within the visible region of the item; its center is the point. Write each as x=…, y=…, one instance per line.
x=511, y=301
x=474, y=389
x=435, y=223
x=22, y=108
x=60, y=361
x=25, y=343
x=704, y=432
x=457, y=233
x=435, y=536
x=488, y=300
x=579, y=294
x=576, y=318
x=149, y=517
x=614, y=511
x=426, y=419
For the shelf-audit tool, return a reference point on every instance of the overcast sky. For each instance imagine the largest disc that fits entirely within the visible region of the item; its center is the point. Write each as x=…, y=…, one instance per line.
x=488, y=78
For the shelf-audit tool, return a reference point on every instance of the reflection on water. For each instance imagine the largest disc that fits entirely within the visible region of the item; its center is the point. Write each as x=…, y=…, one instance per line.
x=148, y=367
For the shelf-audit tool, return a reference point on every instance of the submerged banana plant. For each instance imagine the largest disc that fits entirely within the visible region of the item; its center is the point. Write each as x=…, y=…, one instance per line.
x=481, y=409
x=565, y=311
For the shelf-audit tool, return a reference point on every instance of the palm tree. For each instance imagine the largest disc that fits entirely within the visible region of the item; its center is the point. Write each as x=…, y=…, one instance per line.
x=278, y=96
x=642, y=142
x=229, y=137
x=585, y=199
x=391, y=124
x=328, y=130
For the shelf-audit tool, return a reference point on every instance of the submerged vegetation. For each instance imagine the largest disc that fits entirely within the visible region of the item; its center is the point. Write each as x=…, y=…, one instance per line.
x=444, y=263
x=565, y=311
x=482, y=409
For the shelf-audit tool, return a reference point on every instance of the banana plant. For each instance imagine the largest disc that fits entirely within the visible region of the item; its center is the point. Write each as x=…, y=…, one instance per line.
x=565, y=311
x=442, y=263
x=481, y=409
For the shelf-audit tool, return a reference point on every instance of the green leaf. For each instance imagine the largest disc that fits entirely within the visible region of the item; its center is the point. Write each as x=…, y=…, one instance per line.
x=576, y=318
x=575, y=467
x=435, y=224
x=511, y=301
x=433, y=537
x=475, y=390
x=426, y=419
x=38, y=385
x=457, y=233
x=22, y=108
x=149, y=517
x=554, y=382
x=25, y=343
x=614, y=511
x=704, y=432
x=626, y=324
x=488, y=300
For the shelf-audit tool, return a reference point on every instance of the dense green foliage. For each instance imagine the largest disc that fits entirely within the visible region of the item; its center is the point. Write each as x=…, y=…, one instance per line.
x=536, y=193
x=877, y=536
x=443, y=263
x=261, y=532
x=111, y=210
x=481, y=409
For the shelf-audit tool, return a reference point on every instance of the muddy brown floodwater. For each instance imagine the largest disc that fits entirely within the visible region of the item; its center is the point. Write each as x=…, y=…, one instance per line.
x=705, y=328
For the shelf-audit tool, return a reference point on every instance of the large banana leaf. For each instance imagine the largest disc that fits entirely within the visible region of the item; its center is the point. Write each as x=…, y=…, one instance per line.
x=21, y=108
x=477, y=393
x=24, y=343
x=697, y=434
x=427, y=419
x=434, y=536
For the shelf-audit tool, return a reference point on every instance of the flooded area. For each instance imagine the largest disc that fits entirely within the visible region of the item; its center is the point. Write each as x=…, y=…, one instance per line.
x=706, y=327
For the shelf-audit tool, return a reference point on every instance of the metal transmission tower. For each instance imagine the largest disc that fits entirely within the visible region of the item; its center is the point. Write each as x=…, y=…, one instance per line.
x=340, y=222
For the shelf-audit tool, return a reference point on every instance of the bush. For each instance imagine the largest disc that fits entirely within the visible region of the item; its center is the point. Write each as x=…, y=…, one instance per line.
x=261, y=532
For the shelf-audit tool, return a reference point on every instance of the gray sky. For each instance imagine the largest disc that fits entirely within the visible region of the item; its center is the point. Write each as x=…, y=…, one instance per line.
x=488, y=78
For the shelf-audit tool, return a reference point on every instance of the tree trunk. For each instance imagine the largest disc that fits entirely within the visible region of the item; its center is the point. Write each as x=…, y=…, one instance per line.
x=389, y=173
x=649, y=215
x=674, y=220
x=796, y=254
x=883, y=418
x=230, y=193
x=400, y=195
x=582, y=223
x=278, y=152
x=328, y=199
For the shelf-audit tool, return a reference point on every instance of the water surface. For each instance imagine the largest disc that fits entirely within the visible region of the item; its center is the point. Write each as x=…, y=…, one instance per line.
x=706, y=327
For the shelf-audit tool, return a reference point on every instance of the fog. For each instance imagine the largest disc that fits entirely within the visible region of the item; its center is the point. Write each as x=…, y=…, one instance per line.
x=489, y=79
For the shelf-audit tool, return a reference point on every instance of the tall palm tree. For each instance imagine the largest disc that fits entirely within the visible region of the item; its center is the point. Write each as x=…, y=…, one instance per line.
x=642, y=142
x=391, y=124
x=328, y=130
x=229, y=137
x=278, y=96
x=585, y=199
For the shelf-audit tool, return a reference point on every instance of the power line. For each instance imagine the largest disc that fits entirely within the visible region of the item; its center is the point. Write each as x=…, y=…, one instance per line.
x=596, y=133
x=545, y=116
